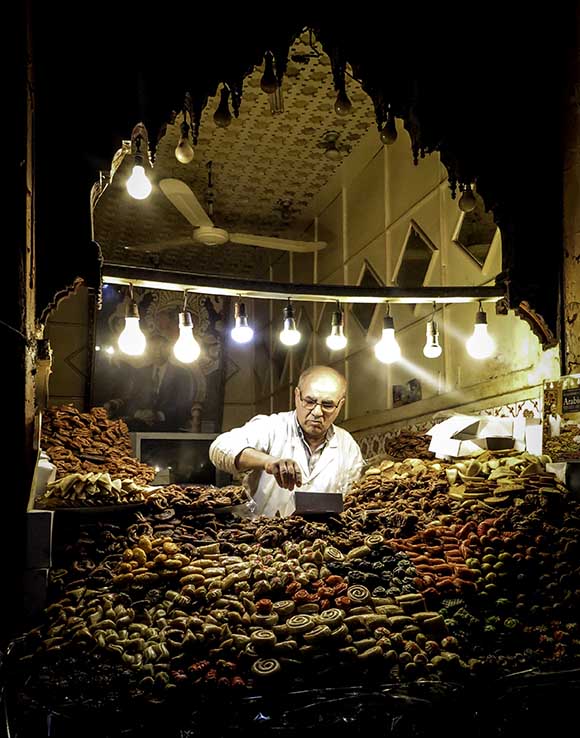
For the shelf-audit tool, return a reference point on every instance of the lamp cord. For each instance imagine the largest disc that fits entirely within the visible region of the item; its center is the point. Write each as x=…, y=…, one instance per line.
x=15, y=330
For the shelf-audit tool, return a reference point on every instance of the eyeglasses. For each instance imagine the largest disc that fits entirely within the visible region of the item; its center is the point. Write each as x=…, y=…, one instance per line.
x=327, y=406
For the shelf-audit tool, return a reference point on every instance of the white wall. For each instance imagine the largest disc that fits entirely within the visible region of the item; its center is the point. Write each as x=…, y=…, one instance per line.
x=365, y=213
x=68, y=331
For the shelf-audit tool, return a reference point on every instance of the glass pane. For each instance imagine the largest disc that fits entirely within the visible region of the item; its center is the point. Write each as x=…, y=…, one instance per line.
x=364, y=312
x=477, y=232
x=187, y=460
x=416, y=258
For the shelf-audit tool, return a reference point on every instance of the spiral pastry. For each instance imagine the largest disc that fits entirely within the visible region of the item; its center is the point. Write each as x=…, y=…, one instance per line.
x=263, y=640
x=249, y=650
x=284, y=608
x=340, y=632
x=319, y=633
x=300, y=623
x=332, y=617
x=265, y=667
x=358, y=594
x=265, y=621
x=331, y=553
x=374, y=540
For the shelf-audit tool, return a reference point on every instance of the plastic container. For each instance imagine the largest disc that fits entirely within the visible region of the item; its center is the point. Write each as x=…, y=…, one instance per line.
x=45, y=473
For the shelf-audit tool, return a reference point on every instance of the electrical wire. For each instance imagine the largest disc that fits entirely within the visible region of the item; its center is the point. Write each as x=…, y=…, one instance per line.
x=15, y=330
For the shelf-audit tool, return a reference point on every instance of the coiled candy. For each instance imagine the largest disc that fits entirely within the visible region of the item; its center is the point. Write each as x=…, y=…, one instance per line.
x=265, y=667
x=300, y=623
x=358, y=594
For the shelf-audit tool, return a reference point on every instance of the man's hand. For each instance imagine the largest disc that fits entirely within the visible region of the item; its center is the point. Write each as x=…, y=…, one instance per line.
x=146, y=416
x=112, y=406
x=286, y=471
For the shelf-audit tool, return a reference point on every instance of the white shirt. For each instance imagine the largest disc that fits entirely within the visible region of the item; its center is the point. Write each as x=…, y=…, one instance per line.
x=339, y=464
x=311, y=455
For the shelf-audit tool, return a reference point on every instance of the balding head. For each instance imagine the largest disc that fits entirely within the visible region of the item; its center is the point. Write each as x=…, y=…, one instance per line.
x=323, y=375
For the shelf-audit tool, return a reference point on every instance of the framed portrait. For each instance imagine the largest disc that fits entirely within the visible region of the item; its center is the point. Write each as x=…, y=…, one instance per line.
x=155, y=391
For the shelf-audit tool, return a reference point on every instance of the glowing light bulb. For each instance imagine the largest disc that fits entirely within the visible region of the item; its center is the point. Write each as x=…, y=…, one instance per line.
x=131, y=340
x=336, y=340
x=110, y=350
x=289, y=335
x=480, y=345
x=241, y=332
x=432, y=348
x=138, y=184
x=186, y=348
x=387, y=349
x=184, y=151
x=342, y=105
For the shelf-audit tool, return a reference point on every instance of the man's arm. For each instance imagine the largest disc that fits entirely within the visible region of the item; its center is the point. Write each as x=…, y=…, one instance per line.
x=226, y=448
x=247, y=448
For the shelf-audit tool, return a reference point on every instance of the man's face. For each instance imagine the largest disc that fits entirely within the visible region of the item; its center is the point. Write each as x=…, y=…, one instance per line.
x=328, y=392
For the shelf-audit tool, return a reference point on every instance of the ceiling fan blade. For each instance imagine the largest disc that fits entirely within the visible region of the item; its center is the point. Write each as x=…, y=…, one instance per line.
x=184, y=199
x=157, y=246
x=271, y=242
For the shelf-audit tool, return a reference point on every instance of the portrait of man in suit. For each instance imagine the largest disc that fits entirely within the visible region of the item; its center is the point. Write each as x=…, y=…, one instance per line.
x=158, y=395
x=155, y=392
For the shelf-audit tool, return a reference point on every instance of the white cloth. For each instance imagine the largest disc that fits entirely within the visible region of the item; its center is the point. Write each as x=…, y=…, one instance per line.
x=340, y=462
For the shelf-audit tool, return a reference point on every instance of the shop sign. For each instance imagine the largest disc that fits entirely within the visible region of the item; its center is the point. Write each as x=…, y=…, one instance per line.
x=561, y=419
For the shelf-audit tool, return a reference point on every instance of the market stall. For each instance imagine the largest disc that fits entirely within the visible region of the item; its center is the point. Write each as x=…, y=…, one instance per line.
x=438, y=580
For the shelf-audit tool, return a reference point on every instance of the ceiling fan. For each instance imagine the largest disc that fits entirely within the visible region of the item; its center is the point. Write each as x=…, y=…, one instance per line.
x=204, y=231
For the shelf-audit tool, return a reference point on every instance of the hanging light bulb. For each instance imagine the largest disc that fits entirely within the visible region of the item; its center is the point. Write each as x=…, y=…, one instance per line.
x=222, y=116
x=342, y=104
x=432, y=348
x=289, y=335
x=269, y=83
x=131, y=340
x=241, y=332
x=480, y=345
x=138, y=184
x=388, y=134
x=329, y=143
x=337, y=340
x=467, y=201
x=387, y=349
x=184, y=150
x=186, y=348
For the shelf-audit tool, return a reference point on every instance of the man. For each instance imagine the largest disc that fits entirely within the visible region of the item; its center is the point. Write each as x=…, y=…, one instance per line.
x=294, y=449
x=159, y=395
